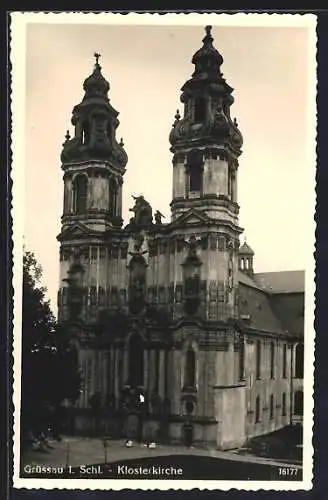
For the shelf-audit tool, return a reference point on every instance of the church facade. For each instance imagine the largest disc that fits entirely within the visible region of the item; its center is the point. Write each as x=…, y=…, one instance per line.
x=176, y=335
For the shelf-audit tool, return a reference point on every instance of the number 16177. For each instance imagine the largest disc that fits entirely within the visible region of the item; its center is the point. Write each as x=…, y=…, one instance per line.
x=287, y=471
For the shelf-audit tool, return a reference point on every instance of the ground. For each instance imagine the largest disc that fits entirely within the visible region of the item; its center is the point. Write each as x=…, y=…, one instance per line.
x=205, y=464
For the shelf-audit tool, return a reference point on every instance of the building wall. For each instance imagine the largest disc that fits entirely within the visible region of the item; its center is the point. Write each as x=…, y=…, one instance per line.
x=106, y=273
x=265, y=386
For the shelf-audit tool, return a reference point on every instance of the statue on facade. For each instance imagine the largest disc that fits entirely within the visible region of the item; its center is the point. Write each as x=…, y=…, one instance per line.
x=192, y=245
x=158, y=217
x=143, y=213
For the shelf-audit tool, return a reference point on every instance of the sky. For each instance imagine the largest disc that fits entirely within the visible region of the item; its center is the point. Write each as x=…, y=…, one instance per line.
x=146, y=67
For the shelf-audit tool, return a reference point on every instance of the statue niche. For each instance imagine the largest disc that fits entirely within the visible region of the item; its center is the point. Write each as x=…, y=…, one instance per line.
x=143, y=213
x=137, y=286
x=75, y=289
x=191, y=273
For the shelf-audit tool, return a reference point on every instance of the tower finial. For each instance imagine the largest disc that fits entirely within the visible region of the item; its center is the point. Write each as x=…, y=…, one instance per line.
x=208, y=30
x=208, y=39
x=97, y=55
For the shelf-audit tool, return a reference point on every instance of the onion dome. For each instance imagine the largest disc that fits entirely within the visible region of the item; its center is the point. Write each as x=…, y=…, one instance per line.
x=96, y=85
x=245, y=249
x=95, y=122
x=207, y=59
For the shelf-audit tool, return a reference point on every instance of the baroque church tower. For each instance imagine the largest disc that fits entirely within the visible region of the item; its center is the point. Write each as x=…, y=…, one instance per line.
x=206, y=144
x=94, y=163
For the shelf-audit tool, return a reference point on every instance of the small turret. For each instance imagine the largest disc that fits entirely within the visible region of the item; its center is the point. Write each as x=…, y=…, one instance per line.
x=246, y=255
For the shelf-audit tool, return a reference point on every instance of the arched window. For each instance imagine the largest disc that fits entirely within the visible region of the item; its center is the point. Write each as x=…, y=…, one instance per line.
x=257, y=410
x=80, y=194
x=112, y=197
x=195, y=170
x=258, y=359
x=271, y=407
x=190, y=368
x=200, y=110
x=272, y=356
x=136, y=352
x=299, y=361
x=298, y=403
x=195, y=178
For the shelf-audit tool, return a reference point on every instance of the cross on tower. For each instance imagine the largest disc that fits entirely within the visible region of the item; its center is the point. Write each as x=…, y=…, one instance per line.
x=96, y=55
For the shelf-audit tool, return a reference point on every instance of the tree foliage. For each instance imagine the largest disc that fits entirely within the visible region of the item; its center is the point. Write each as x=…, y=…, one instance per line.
x=49, y=361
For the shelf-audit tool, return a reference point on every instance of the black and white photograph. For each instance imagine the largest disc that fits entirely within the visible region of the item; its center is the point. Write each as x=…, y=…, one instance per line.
x=163, y=227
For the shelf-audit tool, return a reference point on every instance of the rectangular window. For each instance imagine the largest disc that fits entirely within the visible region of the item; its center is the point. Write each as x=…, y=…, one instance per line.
x=284, y=410
x=298, y=403
x=284, y=361
x=242, y=360
x=195, y=178
x=257, y=410
x=299, y=361
x=271, y=407
x=272, y=356
x=258, y=359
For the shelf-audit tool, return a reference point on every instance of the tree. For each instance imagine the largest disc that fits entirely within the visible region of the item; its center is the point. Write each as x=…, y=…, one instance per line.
x=49, y=361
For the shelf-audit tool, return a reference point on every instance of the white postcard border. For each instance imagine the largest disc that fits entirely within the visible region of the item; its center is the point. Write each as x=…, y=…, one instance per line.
x=19, y=21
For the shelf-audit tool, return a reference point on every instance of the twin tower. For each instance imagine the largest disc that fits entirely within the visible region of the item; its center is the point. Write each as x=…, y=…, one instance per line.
x=205, y=142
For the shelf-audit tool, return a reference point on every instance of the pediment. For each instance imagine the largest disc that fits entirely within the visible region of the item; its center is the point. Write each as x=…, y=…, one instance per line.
x=192, y=217
x=77, y=230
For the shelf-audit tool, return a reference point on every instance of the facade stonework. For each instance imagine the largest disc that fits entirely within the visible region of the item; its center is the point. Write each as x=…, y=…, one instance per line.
x=174, y=332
